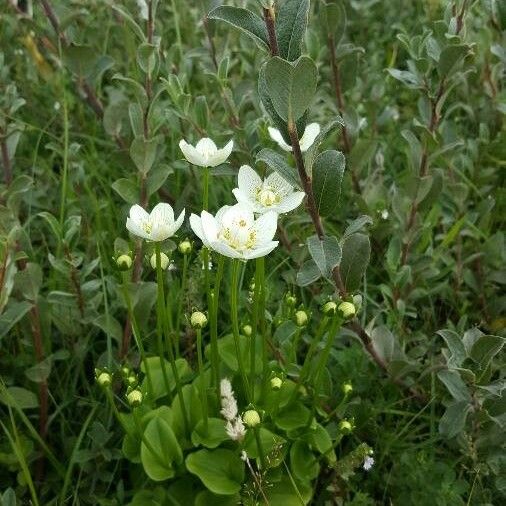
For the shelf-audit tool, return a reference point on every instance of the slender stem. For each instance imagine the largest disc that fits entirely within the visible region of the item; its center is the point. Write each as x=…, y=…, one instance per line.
x=161, y=304
x=270, y=23
x=160, y=318
x=6, y=162
x=184, y=281
x=203, y=388
x=324, y=357
x=63, y=197
x=215, y=296
x=261, y=452
x=137, y=335
x=177, y=25
x=254, y=333
x=234, y=299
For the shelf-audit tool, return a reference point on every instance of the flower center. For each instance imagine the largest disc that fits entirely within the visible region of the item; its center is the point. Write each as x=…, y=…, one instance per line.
x=242, y=238
x=147, y=227
x=267, y=197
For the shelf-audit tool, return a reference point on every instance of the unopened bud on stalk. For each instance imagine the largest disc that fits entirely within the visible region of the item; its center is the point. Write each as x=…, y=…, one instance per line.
x=125, y=371
x=290, y=300
x=247, y=330
x=104, y=379
x=164, y=261
x=198, y=320
x=132, y=380
x=251, y=418
x=345, y=426
x=301, y=318
x=134, y=398
x=347, y=388
x=276, y=383
x=124, y=262
x=329, y=308
x=185, y=247
x=347, y=309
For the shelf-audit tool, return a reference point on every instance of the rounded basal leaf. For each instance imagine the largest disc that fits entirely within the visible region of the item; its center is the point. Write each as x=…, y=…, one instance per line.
x=213, y=436
x=328, y=170
x=221, y=471
x=356, y=252
x=303, y=462
x=207, y=498
x=160, y=451
x=273, y=445
x=454, y=419
x=292, y=417
x=291, y=86
x=283, y=492
x=157, y=375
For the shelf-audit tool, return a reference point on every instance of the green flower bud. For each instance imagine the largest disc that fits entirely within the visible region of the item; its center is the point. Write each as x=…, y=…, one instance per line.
x=125, y=371
x=345, y=426
x=104, y=379
x=132, y=380
x=198, y=320
x=134, y=398
x=251, y=418
x=290, y=300
x=357, y=301
x=329, y=308
x=247, y=330
x=164, y=261
x=347, y=388
x=185, y=247
x=124, y=262
x=276, y=383
x=347, y=309
x=301, y=318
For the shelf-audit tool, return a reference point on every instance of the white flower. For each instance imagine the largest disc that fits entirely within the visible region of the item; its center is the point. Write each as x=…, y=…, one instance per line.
x=384, y=214
x=156, y=226
x=368, y=463
x=205, y=153
x=306, y=141
x=235, y=429
x=229, y=408
x=271, y=194
x=235, y=233
x=226, y=388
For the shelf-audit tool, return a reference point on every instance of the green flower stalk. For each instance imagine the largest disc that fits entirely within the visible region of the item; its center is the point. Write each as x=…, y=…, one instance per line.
x=198, y=321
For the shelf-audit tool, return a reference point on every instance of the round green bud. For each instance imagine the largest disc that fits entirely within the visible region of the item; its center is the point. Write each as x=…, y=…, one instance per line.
x=276, y=383
x=347, y=388
x=134, y=398
x=164, y=261
x=125, y=371
x=104, y=379
x=357, y=301
x=345, y=426
x=251, y=418
x=247, y=330
x=301, y=318
x=329, y=308
x=198, y=320
x=185, y=247
x=290, y=300
x=132, y=380
x=347, y=309
x=124, y=262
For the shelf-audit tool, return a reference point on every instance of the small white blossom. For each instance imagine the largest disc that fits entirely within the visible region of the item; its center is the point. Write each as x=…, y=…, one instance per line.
x=306, y=141
x=205, y=153
x=235, y=233
x=384, y=214
x=235, y=429
x=368, y=463
x=155, y=226
x=226, y=388
x=271, y=194
x=229, y=408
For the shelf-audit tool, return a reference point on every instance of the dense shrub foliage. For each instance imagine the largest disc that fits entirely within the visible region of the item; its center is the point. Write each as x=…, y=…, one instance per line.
x=306, y=309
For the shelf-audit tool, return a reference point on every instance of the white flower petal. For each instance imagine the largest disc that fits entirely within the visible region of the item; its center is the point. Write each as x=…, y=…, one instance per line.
x=136, y=229
x=278, y=138
x=179, y=222
x=290, y=202
x=245, y=201
x=225, y=249
x=209, y=227
x=191, y=154
x=162, y=222
x=280, y=185
x=310, y=134
x=138, y=214
x=248, y=181
x=221, y=155
x=265, y=228
x=236, y=214
x=206, y=147
x=196, y=225
x=260, y=252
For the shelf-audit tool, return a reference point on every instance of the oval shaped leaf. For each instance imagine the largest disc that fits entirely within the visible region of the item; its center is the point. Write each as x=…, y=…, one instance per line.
x=328, y=170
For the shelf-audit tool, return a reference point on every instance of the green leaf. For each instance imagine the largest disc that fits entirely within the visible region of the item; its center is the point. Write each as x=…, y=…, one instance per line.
x=221, y=471
x=12, y=315
x=207, y=498
x=356, y=252
x=18, y=397
x=283, y=492
x=277, y=162
x=155, y=367
x=454, y=419
x=273, y=445
x=143, y=153
x=357, y=225
x=160, y=451
x=456, y=347
x=303, y=462
x=214, y=435
x=450, y=56
x=292, y=416
x=146, y=57
x=127, y=190
x=311, y=153
x=326, y=253
x=245, y=21
x=308, y=273
x=291, y=86
x=291, y=24
x=29, y=281
x=328, y=170
x=334, y=18
x=454, y=384
x=485, y=349
x=383, y=342
x=80, y=60
x=136, y=115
